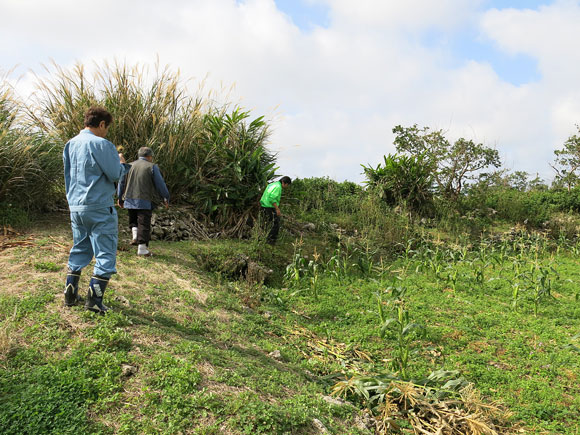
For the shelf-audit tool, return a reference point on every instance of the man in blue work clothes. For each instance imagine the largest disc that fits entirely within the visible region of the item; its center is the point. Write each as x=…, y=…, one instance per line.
x=270, y=203
x=91, y=167
x=140, y=191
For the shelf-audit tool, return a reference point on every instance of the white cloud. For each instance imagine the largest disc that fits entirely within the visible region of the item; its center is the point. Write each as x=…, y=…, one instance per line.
x=550, y=35
x=394, y=16
x=336, y=92
x=551, y=108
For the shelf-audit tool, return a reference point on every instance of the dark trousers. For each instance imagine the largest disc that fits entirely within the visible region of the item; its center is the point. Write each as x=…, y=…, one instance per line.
x=141, y=219
x=274, y=220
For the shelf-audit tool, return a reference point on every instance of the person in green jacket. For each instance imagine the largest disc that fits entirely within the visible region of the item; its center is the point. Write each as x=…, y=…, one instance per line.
x=270, y=203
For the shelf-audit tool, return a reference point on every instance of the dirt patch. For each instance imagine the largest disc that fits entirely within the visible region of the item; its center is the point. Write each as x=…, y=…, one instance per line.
x=222, y=315
x=478, y=346
x=186, y=285
x=137, y=274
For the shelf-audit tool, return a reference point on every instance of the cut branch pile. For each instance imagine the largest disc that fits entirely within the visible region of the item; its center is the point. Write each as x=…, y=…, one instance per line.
x=7, y=239
x=329, y=351
x=400, y=404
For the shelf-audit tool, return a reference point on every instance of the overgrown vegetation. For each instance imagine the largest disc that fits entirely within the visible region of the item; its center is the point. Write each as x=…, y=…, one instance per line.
x=443, y=332
x=442, y=297
x=213, y=158
x=404, y=180
x=29, y=166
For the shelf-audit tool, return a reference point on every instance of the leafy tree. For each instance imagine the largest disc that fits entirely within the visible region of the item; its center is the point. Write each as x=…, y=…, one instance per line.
x=517, y=180
x=454, y=163
x=403, y=179
x=537, y=184
x=567, y=163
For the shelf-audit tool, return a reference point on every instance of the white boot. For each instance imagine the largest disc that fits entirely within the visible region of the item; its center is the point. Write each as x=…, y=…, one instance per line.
x=142, y=250
x=134, y=231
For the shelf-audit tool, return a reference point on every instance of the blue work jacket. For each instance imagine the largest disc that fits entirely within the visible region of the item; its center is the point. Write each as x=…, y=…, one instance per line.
x=91, y=167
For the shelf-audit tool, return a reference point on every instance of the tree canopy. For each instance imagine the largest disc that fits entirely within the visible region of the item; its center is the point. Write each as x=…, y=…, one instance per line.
x=453, y=163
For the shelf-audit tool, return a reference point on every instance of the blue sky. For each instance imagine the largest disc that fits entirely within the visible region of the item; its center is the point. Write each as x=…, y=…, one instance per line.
x=463, y=44
x=335, y=76
x=305, y=14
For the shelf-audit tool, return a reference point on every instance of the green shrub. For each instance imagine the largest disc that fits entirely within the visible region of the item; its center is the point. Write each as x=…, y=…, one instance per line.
x=403, y=180
x=12, y=215
x=534, y=207
x=308, y=195
x=563, y=225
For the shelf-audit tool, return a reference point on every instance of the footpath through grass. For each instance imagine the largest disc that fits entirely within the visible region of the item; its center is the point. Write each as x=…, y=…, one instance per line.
x=188, y=349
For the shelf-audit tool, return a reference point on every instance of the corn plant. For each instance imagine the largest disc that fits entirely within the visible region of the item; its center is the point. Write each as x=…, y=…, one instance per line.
x=339, y=263
x=543, y=285
x=313, y=274
x=575, y=248
x=538, y=280
x=365, y=259
x=406, y=332
x=481, y=263
x=433, y=260
x=458, y=255
x=407, y=251
x=562, y=243
x=333, y=264
x=515, y=283
x=502, y=256
x=296, y=269
x=453, y=276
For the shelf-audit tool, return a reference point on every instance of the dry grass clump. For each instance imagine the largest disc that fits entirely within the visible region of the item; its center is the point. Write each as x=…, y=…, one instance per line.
x=6, y=343
x=426, y=410
x=7, y=338
x=327, y=351
x=28, y=165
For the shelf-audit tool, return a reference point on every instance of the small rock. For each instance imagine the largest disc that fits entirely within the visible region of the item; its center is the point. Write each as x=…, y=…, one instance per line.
x=122, y=299
x=334, y=400
x=310, y=374
x=309, y=226
x=365, y=422
x=275, y=354
x=267, y=314
x=127, y=371
x=319, y=426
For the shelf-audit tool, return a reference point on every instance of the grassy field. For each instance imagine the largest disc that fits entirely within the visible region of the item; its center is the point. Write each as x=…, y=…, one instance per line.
x=192, y=348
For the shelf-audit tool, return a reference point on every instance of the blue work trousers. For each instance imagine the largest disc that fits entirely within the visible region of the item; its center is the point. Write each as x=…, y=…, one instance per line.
x=95, y=233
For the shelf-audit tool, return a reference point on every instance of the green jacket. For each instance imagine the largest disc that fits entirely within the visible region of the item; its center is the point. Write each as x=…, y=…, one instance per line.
x=272, y=194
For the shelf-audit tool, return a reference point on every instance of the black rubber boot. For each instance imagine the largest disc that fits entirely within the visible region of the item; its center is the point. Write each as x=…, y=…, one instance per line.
x=71, y=288
x=97, y=288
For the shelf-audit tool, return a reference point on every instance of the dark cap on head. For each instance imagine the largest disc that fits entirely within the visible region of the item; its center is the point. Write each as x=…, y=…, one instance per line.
x=145, y=152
